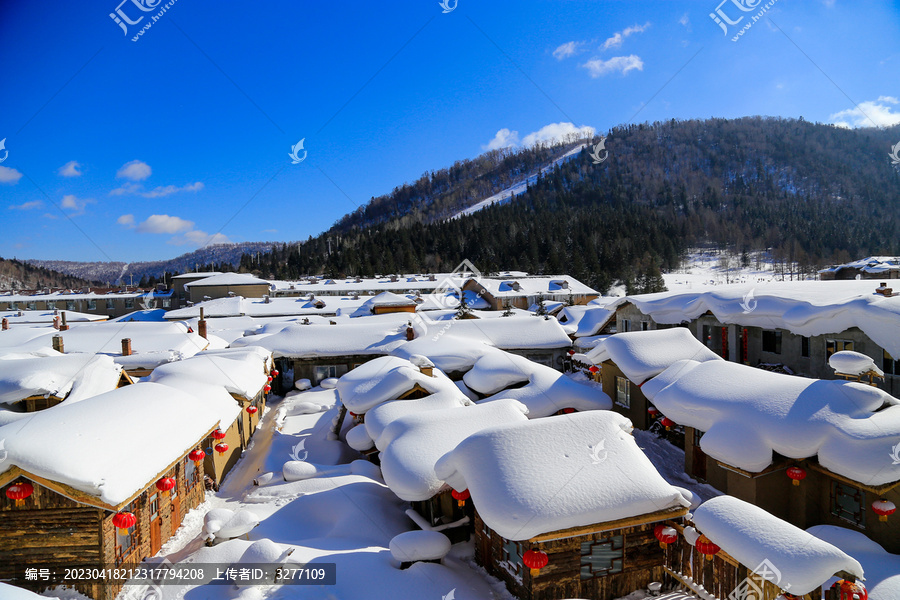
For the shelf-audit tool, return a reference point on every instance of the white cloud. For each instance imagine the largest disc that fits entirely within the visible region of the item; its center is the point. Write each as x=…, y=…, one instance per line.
x=137, y=189
x=685, y=20
x=136, y=170
x=127, y=220
x=598, y=67
x=503, y=139
x=8, y=175
x=70, y=169
x=619, y=37
x=164, y=224
x=73, y=203
x=872, y=113
x=199, y=238
x=557, y=132
x=566, y=50
x=27, y=205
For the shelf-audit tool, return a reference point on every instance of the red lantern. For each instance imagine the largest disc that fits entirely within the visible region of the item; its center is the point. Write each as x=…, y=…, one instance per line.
x=18, y=492
x=123, y=521
x=706, y=547
x=667, y=423
x=535, y=560
x=568, y=411
x=274, y=373
x=571, y=353
x=850, y=590
x=461, y=497
x=797, y=474
x=221, y=449
x=882, y=508
x=267, y=388
x=594, y=369
x=197, y=456
x=269, y=379
x=665, y=535
x=252, y=410
x=165, y=484
x=218, y=434
x=652, y=411
x=352, y=414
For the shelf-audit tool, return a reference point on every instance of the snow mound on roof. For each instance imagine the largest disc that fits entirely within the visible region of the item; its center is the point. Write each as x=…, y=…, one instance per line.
x=243, y=374
x=516, y=473
x=414, y=443
x=751, y=536
x=882, y=568
x=508, y=333
x=750, y=413
x=411, y=546
x=643, y=354
x=584, y=320
x=449, y=353
x=69, y=376
x=383, y=415
x=384, y=299
x=386, y=378
x=849, y=362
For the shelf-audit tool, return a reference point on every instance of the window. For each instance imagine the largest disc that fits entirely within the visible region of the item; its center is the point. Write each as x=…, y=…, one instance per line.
x=832, y=346
x=626, y=325
x=32, y=306
x=771, y=341
x=601, y=558
x=512, y=556
x=92, y=305
x=804, y=347
x=70, y=305
x=129, y=302
x=191, y=473
x=125, y=544
x=14, y=306
x=167, y=302
x=623, y=392
x=889, y=365
x=109, y=304
x=848, y=502
x=51, y=305
x=325, y=371
x=645, y=325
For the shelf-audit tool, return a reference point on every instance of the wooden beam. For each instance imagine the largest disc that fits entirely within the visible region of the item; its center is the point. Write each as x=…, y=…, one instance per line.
x=660, y=515
x=877, y=490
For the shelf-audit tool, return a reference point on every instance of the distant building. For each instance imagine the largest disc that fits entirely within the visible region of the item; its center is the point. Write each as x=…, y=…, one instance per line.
x=227, y=284
x=523, y=292
x=873, y=267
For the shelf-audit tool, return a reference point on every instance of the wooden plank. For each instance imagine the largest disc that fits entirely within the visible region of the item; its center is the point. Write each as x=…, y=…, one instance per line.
x=662, y=515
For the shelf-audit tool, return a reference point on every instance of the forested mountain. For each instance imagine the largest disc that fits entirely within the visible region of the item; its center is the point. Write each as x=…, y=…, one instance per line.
x=17, y=275
x=812, y=193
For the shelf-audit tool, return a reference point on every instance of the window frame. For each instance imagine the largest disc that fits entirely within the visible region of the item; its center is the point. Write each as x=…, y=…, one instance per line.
x=775, y=337
x=122, y=552
x=627, y=391
x=614, y=545
x=842, y=490
x=832, y=346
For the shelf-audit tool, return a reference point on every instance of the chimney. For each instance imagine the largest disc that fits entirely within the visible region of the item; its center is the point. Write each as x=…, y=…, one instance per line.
x=5, y=324
x=884, y=290
x=55, y=322
x=63, y=326
x=58, y=344
x=266, y=299
x=410, y=332
x=126, y=346
x=201, y=328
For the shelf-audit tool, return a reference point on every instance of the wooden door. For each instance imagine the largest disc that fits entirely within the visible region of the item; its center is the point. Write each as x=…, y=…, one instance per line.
x=698, y=462
x=155, y=530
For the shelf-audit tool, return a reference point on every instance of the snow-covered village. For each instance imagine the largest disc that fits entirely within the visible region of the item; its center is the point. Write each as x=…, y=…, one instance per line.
x=510, y=300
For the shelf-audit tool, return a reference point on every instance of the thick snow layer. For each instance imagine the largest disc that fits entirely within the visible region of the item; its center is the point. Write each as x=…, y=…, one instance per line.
x=544, y=475
x=751, y=536
x=882, y=568
x=584, y=320
x=506, y=333
x=411, y=546
x=386, y=378
x=849, y=362
x=803, y=307
x=243, y=377
x=384, y=299
x=358, y=439
x=227, y=279
x=11, y=592
x=82, y=444
x=238, y=306
x=83, y=375
x=644, y=354
x=449, y=353
x=546, y=391
x=750, y=413
x=413, y=444
x=147, y=360
x=214, y=393
x=19, y=317
x=383, y=415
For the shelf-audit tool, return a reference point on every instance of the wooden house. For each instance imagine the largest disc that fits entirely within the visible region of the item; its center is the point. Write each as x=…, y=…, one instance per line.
x=64, y=479
x=565, y=506
x=226, y=284
x=523, y=292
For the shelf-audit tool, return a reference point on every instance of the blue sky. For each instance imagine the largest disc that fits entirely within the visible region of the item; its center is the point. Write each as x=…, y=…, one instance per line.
x=141, y=150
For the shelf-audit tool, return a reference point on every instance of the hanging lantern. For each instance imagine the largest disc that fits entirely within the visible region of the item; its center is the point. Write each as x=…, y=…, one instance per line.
x=883, y=508
x=789, y=596
x=197, y=456
x=218, y=434
x=461, y=497
x=571, y=353
x=267, y=388
x=568, y=411
x=165, y=484
x=352, y=414
x=667, y=423
x=274, y=373
x=269, y=379
x=18, y=492
x=665, y=535
x=652, y=411
x=797, y=474
x=849, y=590
x=252, y=410
x=221, y=449
x=594, y=369
x=706, y=547
x=123, y=520
x=535, y=560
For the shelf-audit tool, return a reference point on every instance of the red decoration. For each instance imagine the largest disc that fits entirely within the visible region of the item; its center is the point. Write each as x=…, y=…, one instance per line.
x=667, y=423
x=123, y=520
x=652, y=411
x=267, y=388
x=571, y=353
x=665, y=535
x=352, y=414
x=197, y=456
x=269, y=379
x=706, y=547
x=218, y=434
x=797, y=474
x=252, y=410
x=594, y=369
x=165, y=484
x=568, y=411
x=535, y=560
x=274, y=373
x=461, y=497
x=19, y=492
x=222, y=449
x=850, y=590
x=882, y=508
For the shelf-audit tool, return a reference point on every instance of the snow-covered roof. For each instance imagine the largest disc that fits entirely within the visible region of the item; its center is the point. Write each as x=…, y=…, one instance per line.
x=236, y=306
x=559, y=285
x=196, y=274
x=752, y=536
x=243, y=375
x=372, y=335
x=448, y=352
x=583, y=320
x=506, y=333
x=82, y=375
x=386, y=378
x=81, y=444
x=643, y=354
x=543, y=475
x=378, y=418
x=749, y=413
x=412, y=444
x=14, y=317
x=871, y=264
x=546, y=390
x=229, y=279
x=882, y=568
x=369, y=285
x=802, y=307
x=849, y=362
x=384, y=299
